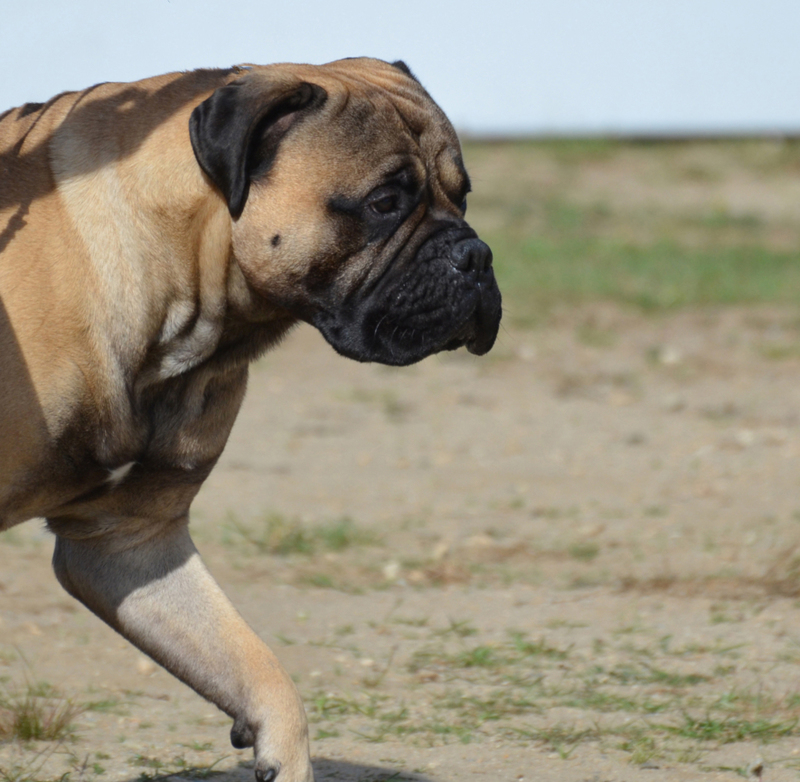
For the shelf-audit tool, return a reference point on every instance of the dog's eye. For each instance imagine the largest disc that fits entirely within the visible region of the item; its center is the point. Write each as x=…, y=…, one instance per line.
x=385, y=205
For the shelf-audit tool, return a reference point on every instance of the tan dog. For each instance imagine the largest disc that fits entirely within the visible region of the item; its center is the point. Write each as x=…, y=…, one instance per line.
x=155, y=238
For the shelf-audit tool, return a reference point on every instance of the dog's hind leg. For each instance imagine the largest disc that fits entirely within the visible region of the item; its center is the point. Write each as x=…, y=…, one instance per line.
x=158, y=594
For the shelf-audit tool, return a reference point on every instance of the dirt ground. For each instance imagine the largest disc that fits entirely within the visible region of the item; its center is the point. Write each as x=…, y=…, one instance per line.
x=574, y=559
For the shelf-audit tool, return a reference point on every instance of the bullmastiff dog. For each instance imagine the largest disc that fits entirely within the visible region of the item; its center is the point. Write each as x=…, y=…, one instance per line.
x=155, y=238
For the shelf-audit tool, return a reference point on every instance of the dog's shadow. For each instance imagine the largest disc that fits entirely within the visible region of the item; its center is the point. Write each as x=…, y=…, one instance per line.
x=342, y=771
x=325, y=770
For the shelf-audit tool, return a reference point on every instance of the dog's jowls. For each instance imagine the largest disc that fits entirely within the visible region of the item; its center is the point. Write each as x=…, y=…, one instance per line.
x=155, y=238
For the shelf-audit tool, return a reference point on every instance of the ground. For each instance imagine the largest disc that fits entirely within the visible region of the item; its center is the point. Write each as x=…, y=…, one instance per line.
x=573, y=559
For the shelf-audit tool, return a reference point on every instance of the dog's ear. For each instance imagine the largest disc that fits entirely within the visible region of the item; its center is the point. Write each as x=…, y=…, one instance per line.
x=235, y=133
x=401, y=66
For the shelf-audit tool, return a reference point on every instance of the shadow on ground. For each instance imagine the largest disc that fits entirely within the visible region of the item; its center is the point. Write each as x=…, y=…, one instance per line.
x=342, y=771
x=325, y=770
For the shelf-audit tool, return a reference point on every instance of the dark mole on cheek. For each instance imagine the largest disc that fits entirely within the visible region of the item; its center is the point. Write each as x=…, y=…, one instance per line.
x=276, y=240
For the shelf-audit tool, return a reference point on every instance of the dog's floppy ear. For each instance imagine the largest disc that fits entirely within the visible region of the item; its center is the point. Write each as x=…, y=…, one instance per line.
x=235, y=133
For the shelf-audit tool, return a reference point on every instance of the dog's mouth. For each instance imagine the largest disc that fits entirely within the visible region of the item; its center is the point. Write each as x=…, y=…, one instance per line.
x=439, y=294
x=479, y=331
x=432, y=310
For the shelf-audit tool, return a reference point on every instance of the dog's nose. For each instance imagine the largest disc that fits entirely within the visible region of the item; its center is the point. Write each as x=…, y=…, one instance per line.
x=471, y=255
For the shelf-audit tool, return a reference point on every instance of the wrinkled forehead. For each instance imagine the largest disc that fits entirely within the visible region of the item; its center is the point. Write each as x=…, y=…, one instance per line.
x=375, y=120
x=372, y=104
x=371, y=98
x=390, y=90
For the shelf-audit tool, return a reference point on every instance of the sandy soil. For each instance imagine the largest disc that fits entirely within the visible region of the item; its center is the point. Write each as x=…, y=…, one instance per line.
x=573, y=559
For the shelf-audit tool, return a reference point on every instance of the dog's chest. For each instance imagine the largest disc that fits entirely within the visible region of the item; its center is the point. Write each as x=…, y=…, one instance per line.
x=141, y=457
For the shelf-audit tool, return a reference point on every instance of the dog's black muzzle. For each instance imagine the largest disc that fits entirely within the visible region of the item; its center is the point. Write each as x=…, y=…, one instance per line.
x=442, y=297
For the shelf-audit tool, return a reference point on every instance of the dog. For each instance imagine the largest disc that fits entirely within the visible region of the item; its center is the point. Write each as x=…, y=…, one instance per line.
x=155, y=238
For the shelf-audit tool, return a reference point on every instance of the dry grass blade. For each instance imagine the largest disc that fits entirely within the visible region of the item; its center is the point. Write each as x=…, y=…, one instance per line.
x=37, y=713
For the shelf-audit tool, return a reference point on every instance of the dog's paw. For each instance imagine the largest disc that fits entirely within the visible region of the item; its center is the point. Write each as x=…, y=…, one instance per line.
x=267, y=773
x=273, y=771
x=280, y=740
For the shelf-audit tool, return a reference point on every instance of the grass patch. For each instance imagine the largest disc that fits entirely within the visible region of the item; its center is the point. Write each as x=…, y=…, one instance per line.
x=642, y=749
x=561, y=738
x=36, y=712
x=468, y=691
x=108, y=706
x=29, y=770
x=575, y=222
x=630, y=674
x=504, y=660
x=592, y=699
x=732, y=729
x=543, y=271
x=282, y=536
x=158, y=769
x=584, y=551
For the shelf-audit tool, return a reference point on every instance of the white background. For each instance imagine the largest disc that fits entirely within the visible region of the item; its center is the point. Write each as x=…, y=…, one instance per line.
x=497, y=67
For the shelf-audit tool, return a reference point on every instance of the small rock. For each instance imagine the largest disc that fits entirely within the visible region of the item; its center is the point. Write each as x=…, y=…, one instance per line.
x=745, y=437
x=526, y=352
x=669, y=356
x=756, y=768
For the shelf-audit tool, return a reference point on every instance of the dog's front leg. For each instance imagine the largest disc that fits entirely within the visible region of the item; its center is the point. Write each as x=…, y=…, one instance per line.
x=159, y=595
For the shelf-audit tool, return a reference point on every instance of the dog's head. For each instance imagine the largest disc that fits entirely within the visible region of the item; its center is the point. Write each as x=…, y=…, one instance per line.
x=347, y=191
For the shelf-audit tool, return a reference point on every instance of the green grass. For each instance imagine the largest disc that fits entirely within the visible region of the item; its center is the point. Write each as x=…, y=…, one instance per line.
x=572, y=222
x=463, y=689
x=518, y=650
x=283, y=536
x=730, y=729
x=631, y=674
x=660, y=276
x=36, y=712
x=159, y=769
x=584, y=551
